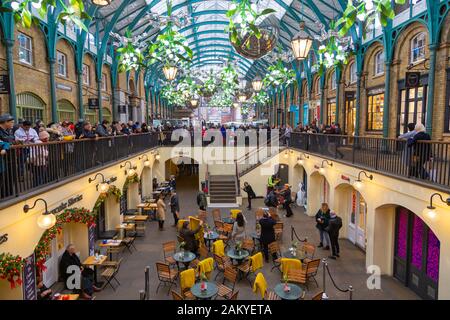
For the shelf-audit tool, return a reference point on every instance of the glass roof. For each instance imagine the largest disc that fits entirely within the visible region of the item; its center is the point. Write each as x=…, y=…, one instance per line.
x=206, y=31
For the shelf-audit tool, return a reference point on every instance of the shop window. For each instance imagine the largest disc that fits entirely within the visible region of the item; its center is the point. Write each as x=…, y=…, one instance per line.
x=62, y=64
x=375, y=105
x=353, y=73
x=90, y=116
x=86, y=75
x=107, y=115
x=418, y=48
x=25, y=49
x=379, y=63
x=30, y=107
x=331, y=112
x=412, y=107
x=66, y=111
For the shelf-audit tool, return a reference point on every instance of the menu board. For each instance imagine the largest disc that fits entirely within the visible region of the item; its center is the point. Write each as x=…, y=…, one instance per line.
x=29, y=279
x=91, y=235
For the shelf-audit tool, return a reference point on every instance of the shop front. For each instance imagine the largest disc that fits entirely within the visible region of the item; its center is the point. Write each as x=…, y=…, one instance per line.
x=357, y=223
x=350, y=113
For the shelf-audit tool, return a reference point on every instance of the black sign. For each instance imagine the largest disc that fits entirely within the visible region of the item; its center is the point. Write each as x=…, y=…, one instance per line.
x=93, y=103
x=412, y=79
x=91, y=239
x=4, y=84
x=122, y=109
x=29, y=279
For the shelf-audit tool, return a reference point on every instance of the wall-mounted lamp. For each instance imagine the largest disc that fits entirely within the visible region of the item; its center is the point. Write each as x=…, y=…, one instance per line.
x=322, y=168
x=47, y=219
x=157, y=156
x=302, y=158
x=146, y=161
x=286, y=154
x=131, y=171
x=430, y=211
x=358, y=184
x=103, y=186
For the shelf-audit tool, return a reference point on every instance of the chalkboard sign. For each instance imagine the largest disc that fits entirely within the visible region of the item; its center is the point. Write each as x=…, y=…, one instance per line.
x=91, y=235
x=4, y=84
x=29, y=279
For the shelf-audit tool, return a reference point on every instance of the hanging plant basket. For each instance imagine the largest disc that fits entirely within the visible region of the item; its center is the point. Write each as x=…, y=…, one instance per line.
x=249, y=46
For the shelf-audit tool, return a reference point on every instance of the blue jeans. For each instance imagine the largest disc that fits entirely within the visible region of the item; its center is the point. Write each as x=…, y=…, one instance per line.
x=324, y=237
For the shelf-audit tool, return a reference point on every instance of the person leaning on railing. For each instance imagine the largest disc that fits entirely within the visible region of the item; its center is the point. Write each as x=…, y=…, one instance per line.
x=421, y=152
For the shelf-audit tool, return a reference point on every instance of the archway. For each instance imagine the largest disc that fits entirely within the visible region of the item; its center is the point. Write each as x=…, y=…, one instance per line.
x=30, y=107
x=66, y=111
x=318, y=192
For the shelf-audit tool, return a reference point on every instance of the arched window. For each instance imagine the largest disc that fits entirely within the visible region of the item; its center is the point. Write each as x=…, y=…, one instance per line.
x=90, y=115
x=30, y=107
x=379, y=63
x=418, y=47
x=107, y=115
x=353, y=73
x=66, y=111
x=333, y=80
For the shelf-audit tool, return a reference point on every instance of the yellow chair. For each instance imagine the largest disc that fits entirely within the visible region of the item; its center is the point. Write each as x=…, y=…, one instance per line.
x=218, y=248
x=180, y=224
x=253, y=264
x=287, y=264
x=234, y=213
x=206, y=266
x=260, y=285
x=187, y=281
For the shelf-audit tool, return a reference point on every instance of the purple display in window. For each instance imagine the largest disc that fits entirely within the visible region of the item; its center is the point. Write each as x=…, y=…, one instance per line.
x=402, y=233
x=417, y=238
x=433, y=256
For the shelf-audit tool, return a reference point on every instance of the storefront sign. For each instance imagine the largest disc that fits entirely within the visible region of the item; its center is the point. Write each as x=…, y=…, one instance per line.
x=63, y=87
x=3, y=238
x=29, y=279
x=91, y=240
x=345, y=178
x=68, y=203
x=106, y=98
x=412, y=79
x=332, y=100
x=375, y=91
x=316, y=166
x=93, y=103
x=4, y=84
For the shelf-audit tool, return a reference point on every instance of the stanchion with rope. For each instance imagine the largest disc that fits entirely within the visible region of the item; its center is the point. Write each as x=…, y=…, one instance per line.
x=294, y=233
x=327, y=270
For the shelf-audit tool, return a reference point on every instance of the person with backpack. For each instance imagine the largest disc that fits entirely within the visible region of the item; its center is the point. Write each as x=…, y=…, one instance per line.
x=271, y=200
x=334, y=225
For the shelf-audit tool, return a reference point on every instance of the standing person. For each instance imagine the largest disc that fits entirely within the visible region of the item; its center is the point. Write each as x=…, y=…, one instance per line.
x=39, y=160
x=161, y=208
x=287, y=194
x=202, y=202
x=334, y=224
x=188, y=235
x=287, y=134
x=172, y=182
x=250, y=194
x=6, y=139
x=174, y=207
x=102, y=129
x=322, y=217
x=267, y=233
x=407, y=152
x=238, y=233
x=421, y=152
x=25, y=135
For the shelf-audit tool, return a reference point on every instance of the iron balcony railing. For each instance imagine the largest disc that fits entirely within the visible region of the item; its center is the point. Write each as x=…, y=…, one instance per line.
x=26, y=168
x=425, y=161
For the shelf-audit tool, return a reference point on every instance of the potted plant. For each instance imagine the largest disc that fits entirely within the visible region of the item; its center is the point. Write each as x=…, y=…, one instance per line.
x=238, y=247
x=286, y=287
x=204, y=282
x=181, y=246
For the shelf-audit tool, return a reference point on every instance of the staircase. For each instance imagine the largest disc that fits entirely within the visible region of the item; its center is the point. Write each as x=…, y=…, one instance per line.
x=222, y=190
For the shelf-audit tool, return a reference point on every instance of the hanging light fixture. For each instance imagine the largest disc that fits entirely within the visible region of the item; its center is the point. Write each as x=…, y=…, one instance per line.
x=170, y=72
x=322, y=168
x=430, y=211
x=47, y=219
x=302, y=158
x=358, y=184
x=242, y=97
x=257, y=83
x=146, y=161
x=194, y=102
x=236, y=105
x=301, y=43
x=101, y=3
x=103, y=186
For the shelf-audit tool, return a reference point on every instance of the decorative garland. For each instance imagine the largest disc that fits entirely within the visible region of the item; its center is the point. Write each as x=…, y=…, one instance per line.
x=112, y=191
x=278, y=75
x=10, y=269
x=132, y=179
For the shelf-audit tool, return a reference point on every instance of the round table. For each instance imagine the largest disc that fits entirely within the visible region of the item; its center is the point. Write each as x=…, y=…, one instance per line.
x=294, y=294
x=185, y=257
x=238, y=256
x=211, y=290
x=210, y=236
x=228, y=220
x=288, y=254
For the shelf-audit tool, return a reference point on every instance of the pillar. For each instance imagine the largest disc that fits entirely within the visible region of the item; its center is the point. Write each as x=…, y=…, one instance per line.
x=52, y=63
x=80, y=94
x=10, y=66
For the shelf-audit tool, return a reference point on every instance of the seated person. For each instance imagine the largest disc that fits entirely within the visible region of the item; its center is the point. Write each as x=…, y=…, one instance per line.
x=188, y=236
x=68, y=258
x=87, y=284
x=43, y=293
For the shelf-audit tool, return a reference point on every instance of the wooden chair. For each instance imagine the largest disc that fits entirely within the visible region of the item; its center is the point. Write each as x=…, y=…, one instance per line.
x=114, y=251
x=203, y=254
x=248, y=245
x=318, y=296
x=274, y=249
x=110, y=273
x=312, y=267
x=176, y=296
x=169, y=248
x=229, y=275
x=247, y=267
x=111, y=263
x=234, y=296
x=165, y=275
x=225, y=235
x=217, y=216
x=140, y=229
x=218, y=225
x=221, y=264
x=279, y=231
x=186, y=291
x=268, y=295
x=129, y=242
x=309, y=250
x=297, y=276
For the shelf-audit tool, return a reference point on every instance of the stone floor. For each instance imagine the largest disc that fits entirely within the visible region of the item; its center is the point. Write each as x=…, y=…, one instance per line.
x=348, y=270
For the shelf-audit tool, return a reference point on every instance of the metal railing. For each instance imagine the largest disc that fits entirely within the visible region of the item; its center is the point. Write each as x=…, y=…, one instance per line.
x=424, y=161
x=26, y=168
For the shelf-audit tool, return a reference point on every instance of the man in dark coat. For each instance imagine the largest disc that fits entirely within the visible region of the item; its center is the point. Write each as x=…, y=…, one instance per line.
x=188, y=236
x=174, y=206
x=250, y=194
x=421, y=152
x=322, y=217
x=202, y=202
x=267, y=234
x=334, y=224
x=6, y=169
x=69, y=258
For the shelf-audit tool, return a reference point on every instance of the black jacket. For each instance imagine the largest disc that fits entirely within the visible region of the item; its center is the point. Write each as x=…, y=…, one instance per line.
x=325, y=216
x=250, y=193
x=188, y=236
x=334, y=224
x=6, y=136
x=174, y=203
x=420, y=150
x=68, y=260
x=267, y=230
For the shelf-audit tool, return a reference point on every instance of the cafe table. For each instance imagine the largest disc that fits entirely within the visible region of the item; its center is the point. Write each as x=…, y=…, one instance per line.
x=228, y=220
x=69, y=296
x=110, y=244
x=210, y=236
x=92, y=261
x=294, y=293
x=207, y=294
x=125, y=227
x=289, y=254
x=256, y=239
x=151, y=205
x=185, y=257
x=238, y=255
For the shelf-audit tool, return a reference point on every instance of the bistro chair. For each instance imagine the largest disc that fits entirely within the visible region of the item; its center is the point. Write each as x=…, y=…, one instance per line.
x=274, y=251
x=312, y=267
x=225, y=291
x=187, y=281
x=112, y=263
x=176, y=296
x=165, y=275
x=110, y=273
x=218, y=225
x=169, y=248
x=260, y=285
x=288, y=264
x=140, y=229
x=279, y=231
x=234, y=296
x=129, y=242
x=248, y=245
x=251, y=265
x=111, y=251
x=203, y=254
x=225, y=236
x=309, y=250
x=217, y=215
x=221, y=264
x=297, y=276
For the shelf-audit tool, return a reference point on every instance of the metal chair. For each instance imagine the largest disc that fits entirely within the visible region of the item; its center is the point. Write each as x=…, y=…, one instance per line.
x=165, y=275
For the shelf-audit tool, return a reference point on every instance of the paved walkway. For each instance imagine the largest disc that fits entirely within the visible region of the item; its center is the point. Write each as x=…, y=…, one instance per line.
x=348, y=270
